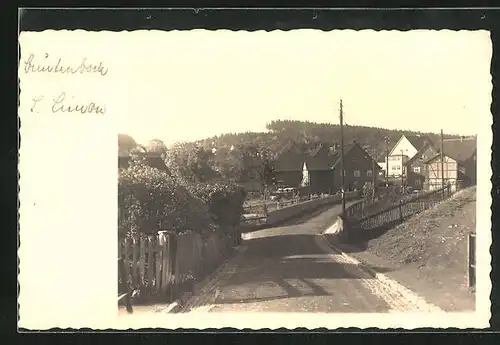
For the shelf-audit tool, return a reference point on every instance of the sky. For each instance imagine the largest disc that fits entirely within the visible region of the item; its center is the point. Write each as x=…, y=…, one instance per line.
x=189, y=85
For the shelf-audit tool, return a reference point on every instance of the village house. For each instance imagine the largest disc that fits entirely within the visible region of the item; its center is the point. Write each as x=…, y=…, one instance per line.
x=415, y=167
x=318, y=167
x=459, y=166
x=404, y=150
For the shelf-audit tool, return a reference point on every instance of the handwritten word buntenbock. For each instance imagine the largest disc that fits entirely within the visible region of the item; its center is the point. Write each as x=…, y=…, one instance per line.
x=61, y=103
x=33, y=65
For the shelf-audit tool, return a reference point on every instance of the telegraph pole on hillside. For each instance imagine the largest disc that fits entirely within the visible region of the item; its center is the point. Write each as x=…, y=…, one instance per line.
x=342, y=158
x=442, y=161
x=374, y=180
x=386, y=139
x=402, y=171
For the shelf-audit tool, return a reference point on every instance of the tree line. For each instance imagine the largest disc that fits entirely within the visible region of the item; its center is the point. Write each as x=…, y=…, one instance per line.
x=242, y=157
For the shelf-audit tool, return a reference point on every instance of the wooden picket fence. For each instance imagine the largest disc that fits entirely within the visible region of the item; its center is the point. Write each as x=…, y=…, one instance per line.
x=160, y=267
x=404, y=209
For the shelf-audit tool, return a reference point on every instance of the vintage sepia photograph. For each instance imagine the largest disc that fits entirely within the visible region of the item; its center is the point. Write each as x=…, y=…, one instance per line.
x=253, y=180
x=303, y=171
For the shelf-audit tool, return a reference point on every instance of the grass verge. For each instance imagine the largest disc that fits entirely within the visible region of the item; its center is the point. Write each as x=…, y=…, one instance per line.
x=428, y=252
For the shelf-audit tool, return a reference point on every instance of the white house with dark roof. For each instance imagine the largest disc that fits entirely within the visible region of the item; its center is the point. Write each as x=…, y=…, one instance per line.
x=404, y=150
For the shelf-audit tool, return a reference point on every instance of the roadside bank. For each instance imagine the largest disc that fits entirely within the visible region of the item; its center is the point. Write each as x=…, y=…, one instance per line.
x=427, y=253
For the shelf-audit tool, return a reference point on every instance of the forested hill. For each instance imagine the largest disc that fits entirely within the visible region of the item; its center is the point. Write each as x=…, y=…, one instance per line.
x=282, y=132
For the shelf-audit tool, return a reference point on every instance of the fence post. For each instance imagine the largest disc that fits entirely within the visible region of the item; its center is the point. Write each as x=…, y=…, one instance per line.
x=472, y=260
x=124, y=284
x=173, y=265
x=400, y=207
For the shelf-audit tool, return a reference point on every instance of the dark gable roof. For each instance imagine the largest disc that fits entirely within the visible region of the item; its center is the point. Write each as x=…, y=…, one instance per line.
x=335, y=156
x=419, y=153
x=418, y=141
x=381, y=157
x=460, y=149
x=348, y=148
x=320, y=157
x=291, y=158
x=317, y=158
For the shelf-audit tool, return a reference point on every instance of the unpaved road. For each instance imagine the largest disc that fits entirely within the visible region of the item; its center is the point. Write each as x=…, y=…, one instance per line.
x=291, y=269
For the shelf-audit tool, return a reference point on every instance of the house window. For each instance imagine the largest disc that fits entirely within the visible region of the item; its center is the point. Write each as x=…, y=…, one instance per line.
x=369, y=173
x=416, y=169
x=357, y=173
x=396, y=167
x=341, y=173
x=417, y=182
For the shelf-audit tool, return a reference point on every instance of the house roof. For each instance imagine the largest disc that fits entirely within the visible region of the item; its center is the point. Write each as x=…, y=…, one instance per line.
x=460, y=149
x=320, y=157
x=291, y=158
x=418, y=141
x=381, y=157
x=424, y=148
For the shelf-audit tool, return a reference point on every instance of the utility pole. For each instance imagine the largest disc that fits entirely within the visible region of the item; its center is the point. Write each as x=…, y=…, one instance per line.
x=387, y=161
x=442, y=161
x=373, y=181
x=342, y=159
x=402, y=172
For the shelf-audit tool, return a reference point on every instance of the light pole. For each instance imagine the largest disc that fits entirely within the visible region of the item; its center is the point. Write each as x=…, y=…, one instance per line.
x=442, y=162
x=374, y=180
x=386, y=139
x=402, y=171
x=342, y=159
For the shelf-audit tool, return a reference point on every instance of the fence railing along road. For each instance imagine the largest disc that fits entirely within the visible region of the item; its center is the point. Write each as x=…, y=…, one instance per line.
x=360, y=215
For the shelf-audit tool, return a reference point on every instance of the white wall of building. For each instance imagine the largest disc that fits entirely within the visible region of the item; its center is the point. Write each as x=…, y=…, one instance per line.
x=400, y=154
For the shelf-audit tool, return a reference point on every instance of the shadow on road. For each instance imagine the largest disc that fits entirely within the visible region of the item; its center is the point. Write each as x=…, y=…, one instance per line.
x=271, y=280
x=281, y=267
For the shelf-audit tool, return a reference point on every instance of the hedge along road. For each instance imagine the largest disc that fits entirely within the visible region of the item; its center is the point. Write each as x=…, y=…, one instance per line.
x=291, y=269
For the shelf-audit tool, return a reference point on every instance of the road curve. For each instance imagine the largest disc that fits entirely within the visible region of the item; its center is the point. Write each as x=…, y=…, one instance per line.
x=286, y=269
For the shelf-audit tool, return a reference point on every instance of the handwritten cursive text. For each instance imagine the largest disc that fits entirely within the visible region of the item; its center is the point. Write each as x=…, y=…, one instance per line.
x=60, y=104
x=32, y=65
